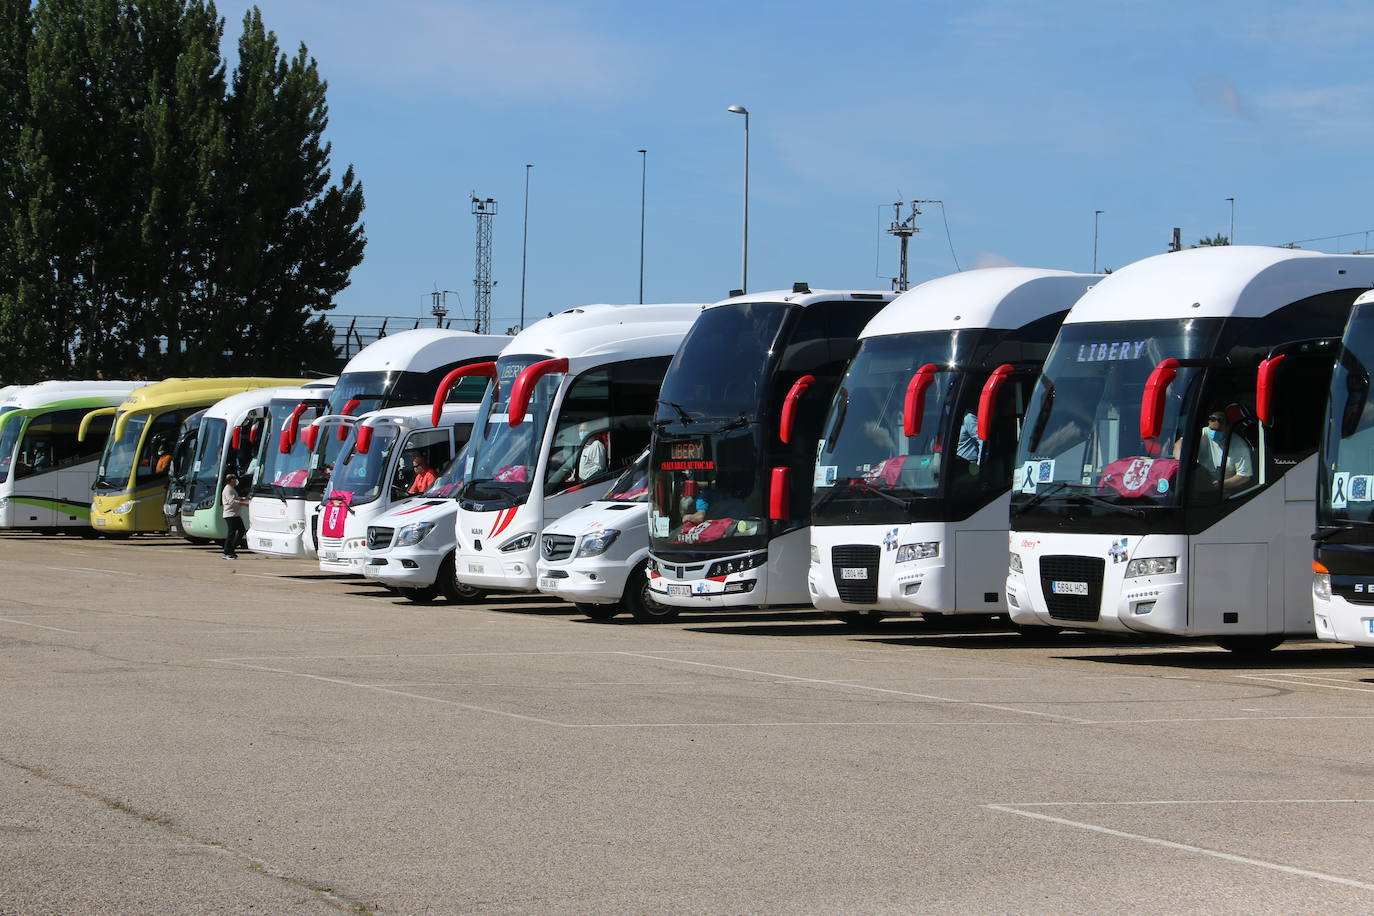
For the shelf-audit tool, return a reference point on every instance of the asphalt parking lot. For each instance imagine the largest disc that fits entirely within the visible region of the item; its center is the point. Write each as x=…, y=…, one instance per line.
x=182, y=734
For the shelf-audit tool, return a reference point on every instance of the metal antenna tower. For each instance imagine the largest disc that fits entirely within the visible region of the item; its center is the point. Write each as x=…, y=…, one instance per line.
x=903, y=229
x=484, y=210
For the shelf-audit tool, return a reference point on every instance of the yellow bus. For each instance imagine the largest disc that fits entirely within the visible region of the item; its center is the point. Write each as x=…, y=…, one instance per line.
x=131, y=484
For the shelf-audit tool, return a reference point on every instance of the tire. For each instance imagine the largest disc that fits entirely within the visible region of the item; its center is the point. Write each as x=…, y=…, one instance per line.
x=456, y=592
x=858, y=618
x=639, y=601
x=198, y=541
x=1249, y=645
x=598, y=611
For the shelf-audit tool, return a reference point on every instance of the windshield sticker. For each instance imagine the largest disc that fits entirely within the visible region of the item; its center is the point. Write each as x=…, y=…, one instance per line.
x=1025, y=478
x=1118, y=551
x=826, y=475
x=1110, y=352
x=1163, y=485
x=1359, y=488
x=1045, y=472
x=660, y=526
x=1340, y=484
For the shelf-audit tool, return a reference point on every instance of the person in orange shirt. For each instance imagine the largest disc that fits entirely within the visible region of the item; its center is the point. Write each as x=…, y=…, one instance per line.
x=424, y=474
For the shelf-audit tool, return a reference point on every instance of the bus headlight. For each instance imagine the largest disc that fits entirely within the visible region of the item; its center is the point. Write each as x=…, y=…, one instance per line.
x=922, y=551
x=518, y=543
x=598, y=543
x=738, y=564
x=124, y=508
x=1321, y=586
x=4, y=502
x=1014, y=562
x=1151, y=566
x=411, y=535
x=815, y=555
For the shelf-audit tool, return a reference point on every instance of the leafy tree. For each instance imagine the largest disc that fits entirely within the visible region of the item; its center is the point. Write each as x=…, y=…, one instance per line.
x=158, y=219
x=1215, y=240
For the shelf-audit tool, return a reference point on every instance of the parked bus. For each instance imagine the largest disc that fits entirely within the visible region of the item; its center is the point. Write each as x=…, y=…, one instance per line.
x=1343, y=564
x=131, y=484
x=570, y=409
x=913, y=474
x=380, y=465
x=734, y=445
x=45, y=470
x=228, y=439
x=179, y=474
x=400, y=370
x=1149, y=497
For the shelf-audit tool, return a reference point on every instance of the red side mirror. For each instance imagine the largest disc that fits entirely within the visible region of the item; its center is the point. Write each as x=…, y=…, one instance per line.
x=253, y=431
x=236, y=437
x=311, y=435
x=987, y=401
x=915, y=404
x=1152, y=401
x=523, y=389
x=445, y=386
x=789, y=406
x=779, y=493
x=348, y=408
x=364, y=439
x=1264, y=388
x=288, y=433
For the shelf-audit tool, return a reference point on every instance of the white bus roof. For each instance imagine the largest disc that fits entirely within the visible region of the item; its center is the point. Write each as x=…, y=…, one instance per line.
x=9, y=391
x=44, y=393
x=616, y=331
x=424, y=350
x=808, y=296
x=994, y=297
x=236, y=405
x=418, y=417
x=1227, y=281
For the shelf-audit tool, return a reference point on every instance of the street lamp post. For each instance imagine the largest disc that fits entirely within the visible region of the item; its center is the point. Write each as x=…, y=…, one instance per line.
x=744, y=256
x=1096, y=214
x=1231, y=239
x=643, y=185
x=525, y=244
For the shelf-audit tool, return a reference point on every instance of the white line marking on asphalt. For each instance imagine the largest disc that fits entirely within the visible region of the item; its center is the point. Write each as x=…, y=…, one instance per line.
x=1186, y=802
x=1211, y=719
x=39, y=626
x=1293, y=682
x=850, y=685
x=1184, y=847
x=287, y=658
x=89, y=569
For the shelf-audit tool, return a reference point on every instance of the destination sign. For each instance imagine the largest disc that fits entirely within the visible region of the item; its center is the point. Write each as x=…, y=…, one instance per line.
x=687, y=465
x=1110, y=351
x=688, y=451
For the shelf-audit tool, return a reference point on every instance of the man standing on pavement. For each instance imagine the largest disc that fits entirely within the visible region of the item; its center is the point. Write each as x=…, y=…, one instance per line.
x=233, y=521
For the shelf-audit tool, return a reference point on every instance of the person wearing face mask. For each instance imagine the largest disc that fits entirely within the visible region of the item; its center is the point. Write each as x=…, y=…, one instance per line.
x=1218, y=441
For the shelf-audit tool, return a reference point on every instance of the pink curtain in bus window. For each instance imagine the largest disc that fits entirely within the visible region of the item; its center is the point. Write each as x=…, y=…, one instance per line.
x=335, y=514
x=701, y=532
x=513, y=473
x=294, y=478
x=889, y=472
x=1138, y=476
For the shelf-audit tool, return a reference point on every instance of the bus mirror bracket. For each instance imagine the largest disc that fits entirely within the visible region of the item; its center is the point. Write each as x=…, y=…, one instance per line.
x=779, y=493
x=914, y=406
x=987, y=400
x=1265, y=382
x=789, y=407
x=523, y=388
x=441, y=393
x=1152, y=401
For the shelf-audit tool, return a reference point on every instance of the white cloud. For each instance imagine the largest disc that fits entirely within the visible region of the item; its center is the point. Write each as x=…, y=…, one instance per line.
x=1323, y=111
x=464, y=49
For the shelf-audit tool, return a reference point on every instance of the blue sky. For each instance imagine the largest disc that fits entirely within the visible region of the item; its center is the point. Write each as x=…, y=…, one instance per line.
x=1022, y=117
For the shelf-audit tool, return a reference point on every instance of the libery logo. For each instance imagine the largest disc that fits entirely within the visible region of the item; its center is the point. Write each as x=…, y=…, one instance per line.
x=1108, y=352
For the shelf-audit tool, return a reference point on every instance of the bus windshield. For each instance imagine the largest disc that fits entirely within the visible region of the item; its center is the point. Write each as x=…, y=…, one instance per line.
x=633, y=485
x=9, y=440
x=717, y=372
x=1346, y=470
x=284, y=475
x=203, y=479
x=117, y=464
x=364, y=476
x=504, y=459
x=1082, y=433
x=708, y=493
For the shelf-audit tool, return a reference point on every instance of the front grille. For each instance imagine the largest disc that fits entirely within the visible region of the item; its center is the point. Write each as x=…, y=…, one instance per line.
x=556, y=547
x=331, y=543
x=1072, y=569
x=856, y=556
x=379, y=538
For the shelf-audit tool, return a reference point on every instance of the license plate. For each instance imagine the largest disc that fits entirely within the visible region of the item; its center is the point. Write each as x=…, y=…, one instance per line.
x=264, y=542
x=476, y=568
x=680, y=591
x=548, y=583
x=854, y=572
x=330, y=555
x=1069, y=588
x=1369, y=625
x=100, y=522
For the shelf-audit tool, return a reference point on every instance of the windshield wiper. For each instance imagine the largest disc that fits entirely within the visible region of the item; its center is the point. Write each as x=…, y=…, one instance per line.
x=103, y=483
x=1346, y=524
x=681, y=412
x=1040, y=497
x=1099, y=501
x=741, y=420
x=860, y=484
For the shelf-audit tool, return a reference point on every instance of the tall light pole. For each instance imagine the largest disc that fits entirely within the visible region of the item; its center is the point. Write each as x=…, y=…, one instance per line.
x=643, y=186
x=1096, y=214
x=525, y=245
x=1231, y=239
x=744, y=257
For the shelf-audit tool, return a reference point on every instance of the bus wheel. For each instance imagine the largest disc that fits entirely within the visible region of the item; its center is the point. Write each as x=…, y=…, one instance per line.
x=598, y=611
x=858, y=618
x=424, y=595
x=453, y=590
x=1249, y=645
x=198, y=541
x=639, y=601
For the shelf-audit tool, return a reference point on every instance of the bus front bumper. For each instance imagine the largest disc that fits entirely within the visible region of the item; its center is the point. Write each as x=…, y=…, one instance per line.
x=1339, y=620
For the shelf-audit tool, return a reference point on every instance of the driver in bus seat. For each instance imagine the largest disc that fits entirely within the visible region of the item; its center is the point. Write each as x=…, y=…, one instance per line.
x=424, y=474
x=1219, y=438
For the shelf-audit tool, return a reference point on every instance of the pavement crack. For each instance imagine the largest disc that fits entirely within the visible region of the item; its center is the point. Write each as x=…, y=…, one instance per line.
x=320, y=890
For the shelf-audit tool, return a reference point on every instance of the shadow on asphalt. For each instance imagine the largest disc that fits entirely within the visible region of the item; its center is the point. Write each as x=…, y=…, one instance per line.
x=1217, y=659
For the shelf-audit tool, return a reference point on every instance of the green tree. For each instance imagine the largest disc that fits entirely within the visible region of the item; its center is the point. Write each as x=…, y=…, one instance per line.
x=1215, y=240
x=156, y=219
